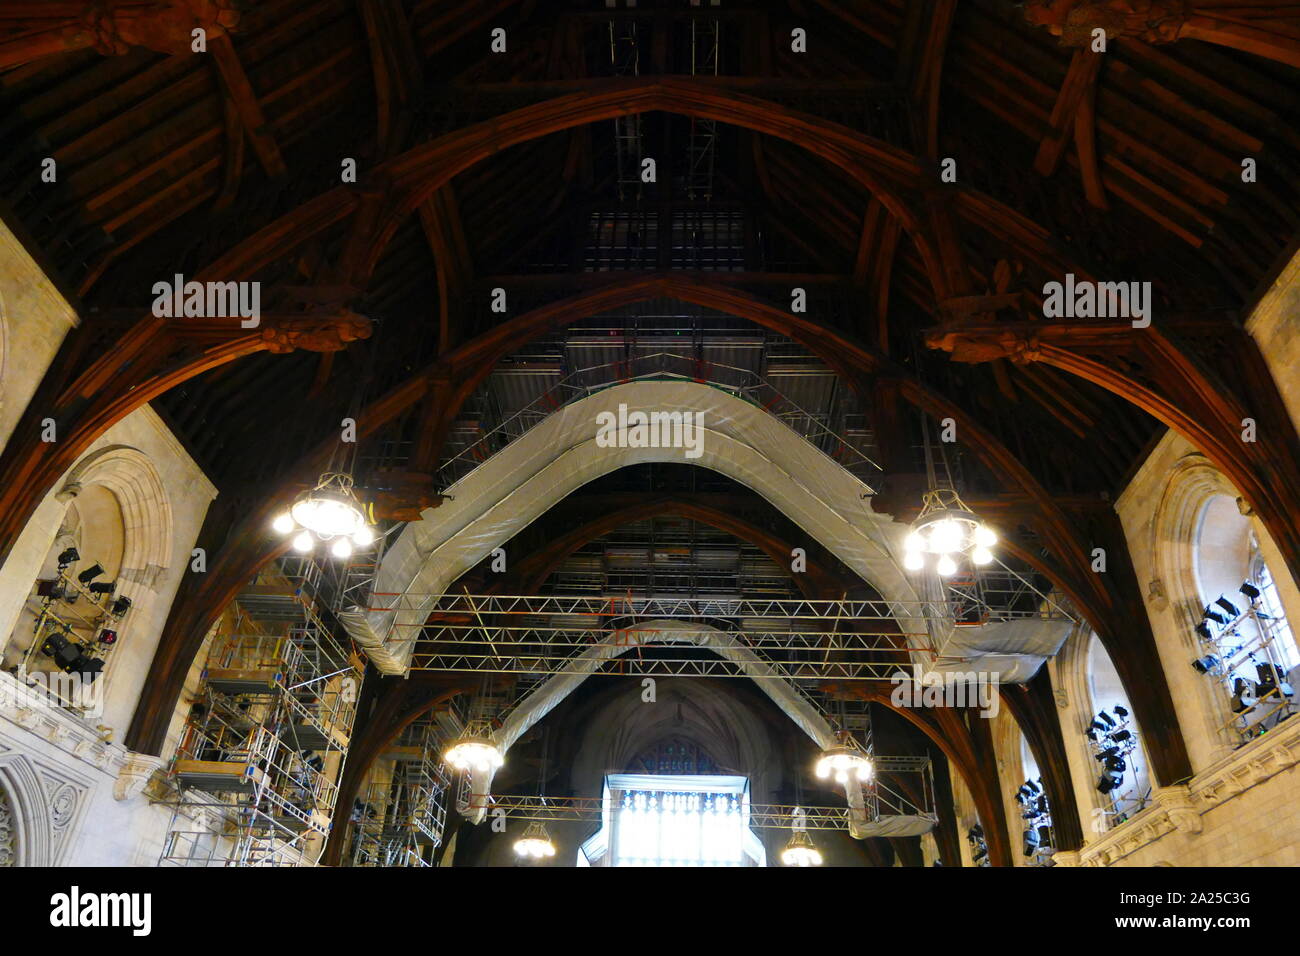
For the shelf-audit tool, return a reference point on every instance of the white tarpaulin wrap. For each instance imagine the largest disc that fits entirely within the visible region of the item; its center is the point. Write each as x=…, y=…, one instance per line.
x=558, y=456
x=1012, y=650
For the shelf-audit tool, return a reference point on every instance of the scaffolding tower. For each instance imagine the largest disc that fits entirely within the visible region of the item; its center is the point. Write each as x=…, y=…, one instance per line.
x=255, y=778
x=401, y=816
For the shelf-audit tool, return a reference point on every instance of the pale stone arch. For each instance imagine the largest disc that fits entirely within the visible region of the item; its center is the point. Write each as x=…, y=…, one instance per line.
x=146, y=510
x=117, y=511
x=1200, y=545
x=31, y=828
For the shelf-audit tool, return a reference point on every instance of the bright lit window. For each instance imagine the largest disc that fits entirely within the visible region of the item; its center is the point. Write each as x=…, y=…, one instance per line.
x=675, y=820
x=655, y=828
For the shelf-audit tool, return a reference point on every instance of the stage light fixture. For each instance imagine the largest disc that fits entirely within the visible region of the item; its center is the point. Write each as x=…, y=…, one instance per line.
x=121, y=606
x=1206, y=664
x=107, y=637
x=1228, y=606
x=102, y=587
x=1249, y=590
x=92, y=572
x=68, y=556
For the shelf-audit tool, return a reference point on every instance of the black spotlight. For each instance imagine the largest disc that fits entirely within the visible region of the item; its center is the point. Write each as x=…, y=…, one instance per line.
x=121, y=606
x=67, y=657
x=1120, y=736
x=88, y=667
x=1215, y=616
x=107, y=637
x=1107, y=782
x=102, y=587
x=1115, y=764
x=1268, y=681
x=1121, y=710
x=1107, y=719
x=1249, y=590
x=1203, y=630
x=53, y=644
x=69, y=556
x=1205, y=664
x=92, y=572
x=1228, y=606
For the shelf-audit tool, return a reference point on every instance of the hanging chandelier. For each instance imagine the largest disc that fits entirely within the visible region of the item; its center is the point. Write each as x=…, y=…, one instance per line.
x=945, y=532
x=475, y=749
x=535, y=844
x=801, y=851
x=846, y=759
x=330, y=513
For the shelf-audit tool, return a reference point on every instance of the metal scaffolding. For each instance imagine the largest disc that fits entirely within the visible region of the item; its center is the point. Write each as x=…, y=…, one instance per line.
x=255, y=778
x=880, y=799
x=402, y=815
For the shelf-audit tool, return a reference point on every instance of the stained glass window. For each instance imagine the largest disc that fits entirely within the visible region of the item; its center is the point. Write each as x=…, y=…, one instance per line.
x=663, y=828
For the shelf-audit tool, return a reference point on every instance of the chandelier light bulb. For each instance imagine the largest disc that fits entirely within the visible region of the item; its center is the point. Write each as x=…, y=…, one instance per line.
x=303, y=542
x=843, y=762
x=474, y=751
x=801, y=851
x=949, y=530
x=283, y=523
x=341, y=548
x=535, y=844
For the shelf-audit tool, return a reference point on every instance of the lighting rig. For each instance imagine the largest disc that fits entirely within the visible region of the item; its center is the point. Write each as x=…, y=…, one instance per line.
x=76, y=602
x=1113, y=740
x=1260, y=703
x=1036, y=813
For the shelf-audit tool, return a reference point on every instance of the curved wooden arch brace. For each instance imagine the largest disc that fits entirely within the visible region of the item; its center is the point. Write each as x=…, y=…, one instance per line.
x=141, y=366
x=397, y=187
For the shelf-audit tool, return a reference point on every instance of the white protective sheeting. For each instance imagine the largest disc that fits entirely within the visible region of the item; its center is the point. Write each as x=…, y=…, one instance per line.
x=742, y=441
x=1009, y=652
x=899, y=825
x=560, y=455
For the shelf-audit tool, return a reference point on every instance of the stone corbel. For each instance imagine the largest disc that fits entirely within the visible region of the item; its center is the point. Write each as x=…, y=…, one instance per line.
x=134, y=774
x=1177, y=804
